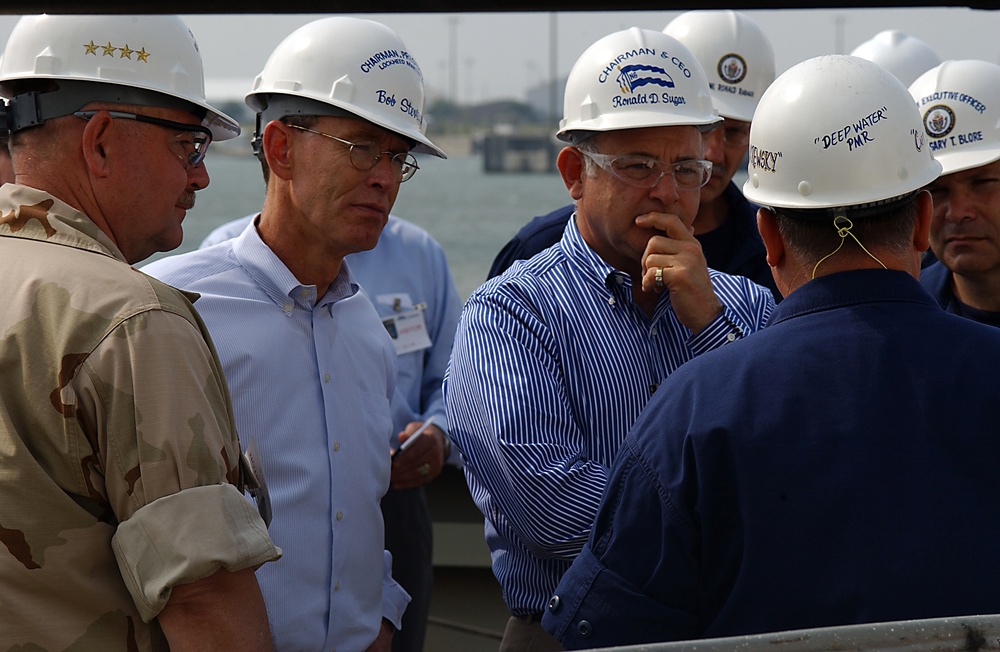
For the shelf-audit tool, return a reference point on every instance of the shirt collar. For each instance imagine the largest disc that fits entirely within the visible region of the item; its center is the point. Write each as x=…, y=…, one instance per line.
x=850, y=288
x=281, y=286
x=586, y=260
x=37, y=215
x=610, y=282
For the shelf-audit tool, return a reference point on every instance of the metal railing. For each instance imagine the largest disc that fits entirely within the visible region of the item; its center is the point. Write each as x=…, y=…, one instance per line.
x=971, y=633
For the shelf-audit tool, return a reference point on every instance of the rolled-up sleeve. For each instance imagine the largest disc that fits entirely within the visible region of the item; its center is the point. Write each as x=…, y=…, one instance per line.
x=167, y=454
x=185, y=537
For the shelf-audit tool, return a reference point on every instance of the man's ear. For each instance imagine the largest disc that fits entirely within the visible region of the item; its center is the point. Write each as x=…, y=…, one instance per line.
x=571, y=166
x=922, y=225
x=768, y=227
x=94, y=143
x=276, y=143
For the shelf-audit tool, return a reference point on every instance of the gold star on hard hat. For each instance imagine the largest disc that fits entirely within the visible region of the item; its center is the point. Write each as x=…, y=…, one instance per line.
x=109, y=50
x=90, y=48
x=126, y=53
x=142, y=55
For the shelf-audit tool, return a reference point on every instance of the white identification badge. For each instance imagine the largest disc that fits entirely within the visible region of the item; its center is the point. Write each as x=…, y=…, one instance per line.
x=408, y=331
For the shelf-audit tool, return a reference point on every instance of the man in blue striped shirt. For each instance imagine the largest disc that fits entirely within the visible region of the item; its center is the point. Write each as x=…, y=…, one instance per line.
x=554, y=359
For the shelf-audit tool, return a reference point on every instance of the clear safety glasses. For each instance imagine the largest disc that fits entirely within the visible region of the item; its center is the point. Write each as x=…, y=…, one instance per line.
x=646, y=172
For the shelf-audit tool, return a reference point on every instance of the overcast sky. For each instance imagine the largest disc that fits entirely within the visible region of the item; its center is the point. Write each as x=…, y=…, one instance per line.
x=500, y=54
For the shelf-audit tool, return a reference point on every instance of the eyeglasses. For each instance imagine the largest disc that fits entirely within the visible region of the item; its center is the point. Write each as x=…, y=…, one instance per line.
x=364, y=156
x=195, y=139
x=646, y=172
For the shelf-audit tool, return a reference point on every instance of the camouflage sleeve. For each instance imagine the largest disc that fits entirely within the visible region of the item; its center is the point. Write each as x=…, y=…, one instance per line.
x=165, y=428
x=186, y=537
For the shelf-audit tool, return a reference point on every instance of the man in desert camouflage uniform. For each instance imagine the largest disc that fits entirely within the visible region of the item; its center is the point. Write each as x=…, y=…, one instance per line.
x=121, y=517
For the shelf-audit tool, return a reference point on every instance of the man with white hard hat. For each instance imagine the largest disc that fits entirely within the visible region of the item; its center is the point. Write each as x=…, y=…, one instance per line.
x=905, y=56
x=960, y=105
x=554, y=359
x=841, y=481
x=339, y=112
x=738, y=60
x=122, y=511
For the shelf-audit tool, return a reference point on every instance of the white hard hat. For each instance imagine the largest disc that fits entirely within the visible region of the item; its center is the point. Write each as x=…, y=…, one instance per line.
x=339, y=65
x=903, y=55
x=735, y=53
x=959, y=102
x=836, y=131
x=148, y=60
x=635, y=78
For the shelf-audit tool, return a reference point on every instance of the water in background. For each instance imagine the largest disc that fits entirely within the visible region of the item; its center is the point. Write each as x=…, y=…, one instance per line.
x=471, y=213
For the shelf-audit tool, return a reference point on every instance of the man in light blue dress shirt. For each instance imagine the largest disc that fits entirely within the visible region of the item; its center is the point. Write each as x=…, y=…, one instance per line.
x=418, y=301
x=554, y=359
x=311, y=368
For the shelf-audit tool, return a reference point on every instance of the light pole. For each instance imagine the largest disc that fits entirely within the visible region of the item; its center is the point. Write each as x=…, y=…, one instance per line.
x=838, y=22
x=453, y=58
x=553, y=67
x=470, y=79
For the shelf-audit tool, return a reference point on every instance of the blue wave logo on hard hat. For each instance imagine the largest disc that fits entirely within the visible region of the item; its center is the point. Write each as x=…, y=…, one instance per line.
x=636, y=75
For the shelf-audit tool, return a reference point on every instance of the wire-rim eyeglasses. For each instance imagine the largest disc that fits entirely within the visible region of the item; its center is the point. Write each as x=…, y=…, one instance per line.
x=365, y=156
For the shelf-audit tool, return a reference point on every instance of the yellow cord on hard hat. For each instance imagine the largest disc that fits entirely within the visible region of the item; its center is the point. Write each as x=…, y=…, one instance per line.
x=844, y=231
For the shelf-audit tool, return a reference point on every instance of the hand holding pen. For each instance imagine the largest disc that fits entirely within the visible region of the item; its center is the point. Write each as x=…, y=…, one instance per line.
x=419, y=458
x=412, y=439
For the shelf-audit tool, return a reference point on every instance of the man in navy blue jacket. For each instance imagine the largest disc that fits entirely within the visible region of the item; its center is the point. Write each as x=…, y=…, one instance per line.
x=838, y=466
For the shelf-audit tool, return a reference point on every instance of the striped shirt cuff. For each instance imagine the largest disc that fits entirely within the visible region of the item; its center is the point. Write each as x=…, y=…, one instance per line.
x=722, y=330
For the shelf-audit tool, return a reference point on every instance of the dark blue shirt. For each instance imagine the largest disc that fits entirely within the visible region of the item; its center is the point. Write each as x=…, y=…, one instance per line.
x=734, y=247
x=936, y=279
x=837, y=467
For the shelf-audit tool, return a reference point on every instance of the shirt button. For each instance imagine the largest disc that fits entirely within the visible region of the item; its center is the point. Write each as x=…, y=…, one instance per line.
x=731, y=337
x=653, y=332
x=336, y=585
x=652, y=388
x=585, y=628
x=336, y=446
x=340, y=516
x=288, y=307
x=326, y=377
x=554, y=604
x=611, y=301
